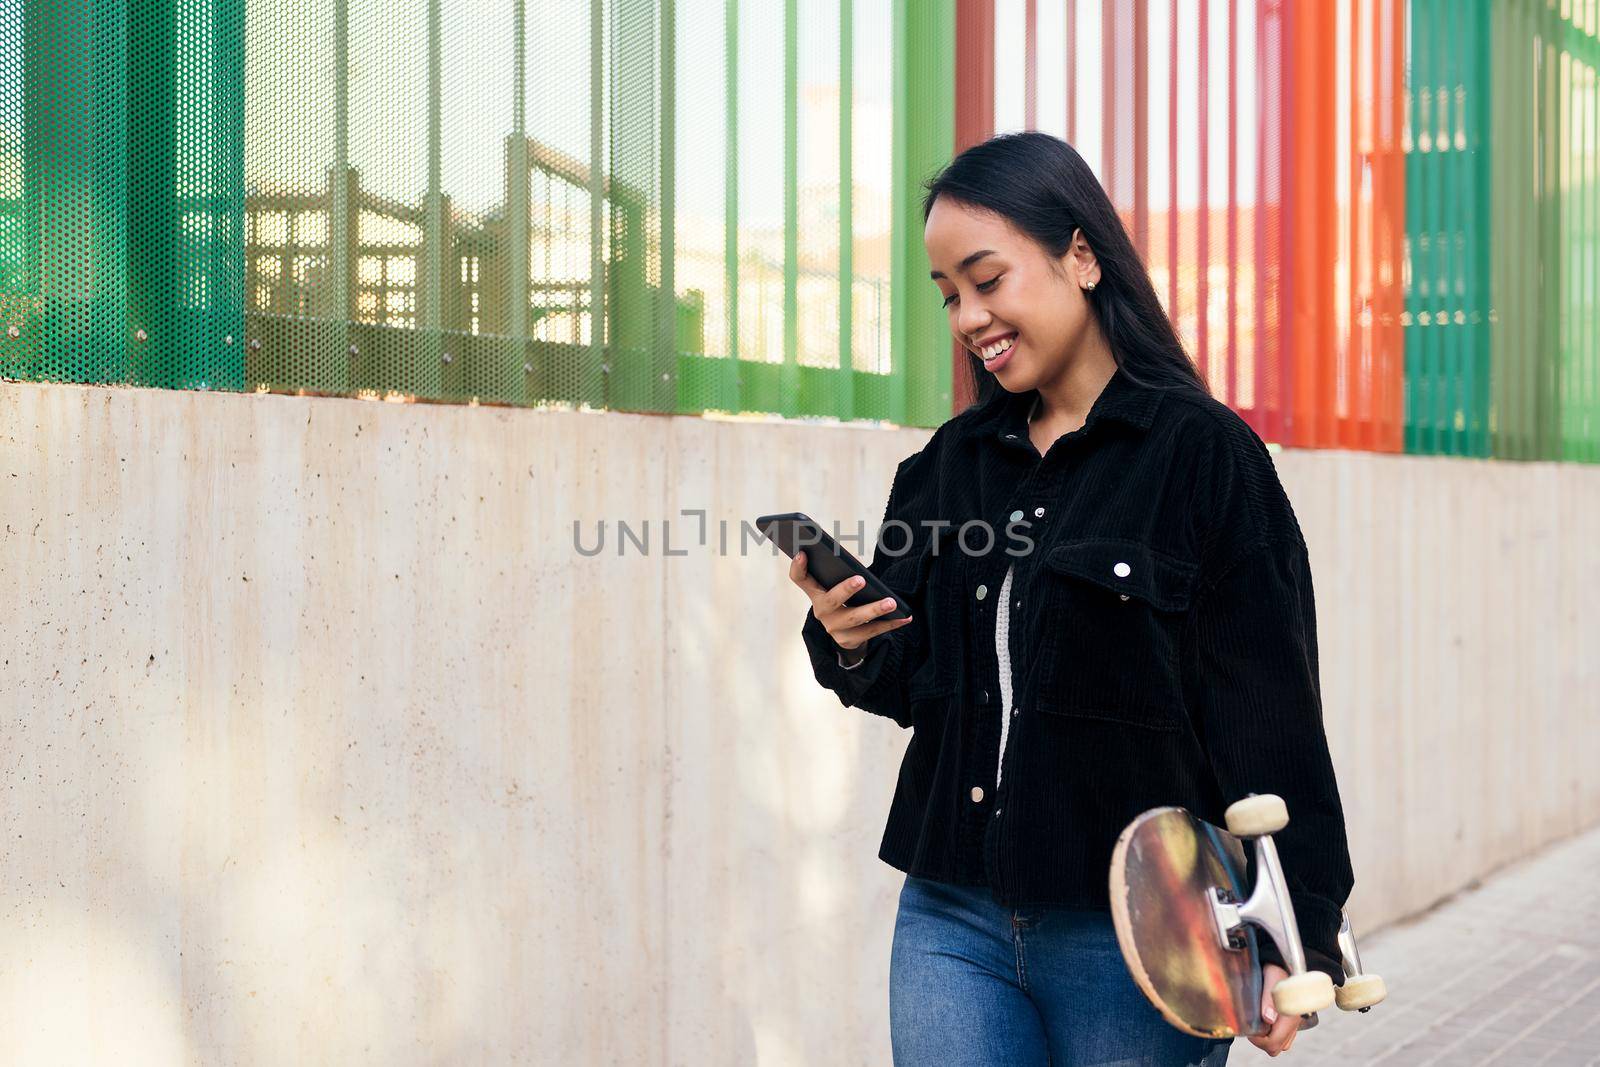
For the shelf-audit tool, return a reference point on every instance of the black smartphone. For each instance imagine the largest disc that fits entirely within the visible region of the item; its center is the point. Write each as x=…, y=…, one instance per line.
x=826, y=560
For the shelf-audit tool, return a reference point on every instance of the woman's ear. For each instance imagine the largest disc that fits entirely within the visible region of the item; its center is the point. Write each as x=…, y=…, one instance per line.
x=1082, y=266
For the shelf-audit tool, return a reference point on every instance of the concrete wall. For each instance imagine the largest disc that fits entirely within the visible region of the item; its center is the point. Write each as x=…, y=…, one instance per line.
x=322, y=744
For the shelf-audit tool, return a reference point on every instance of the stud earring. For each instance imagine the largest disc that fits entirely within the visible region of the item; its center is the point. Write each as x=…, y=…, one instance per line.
x=1088, y=287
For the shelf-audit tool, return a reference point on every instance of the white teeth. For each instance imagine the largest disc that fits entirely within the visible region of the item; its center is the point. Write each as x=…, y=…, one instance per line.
x=997, y=348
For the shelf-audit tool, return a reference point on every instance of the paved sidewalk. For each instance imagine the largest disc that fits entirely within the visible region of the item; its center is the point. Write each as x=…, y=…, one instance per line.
x=1507, y=973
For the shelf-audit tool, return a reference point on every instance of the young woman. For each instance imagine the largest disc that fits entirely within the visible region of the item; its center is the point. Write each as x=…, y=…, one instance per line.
x=1112, y=610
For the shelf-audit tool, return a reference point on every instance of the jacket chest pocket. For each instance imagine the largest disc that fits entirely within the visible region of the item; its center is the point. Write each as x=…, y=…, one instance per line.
x=1112, y=630
x=927, y=578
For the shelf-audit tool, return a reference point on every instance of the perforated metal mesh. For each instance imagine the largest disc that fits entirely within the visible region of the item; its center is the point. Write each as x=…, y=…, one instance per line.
x=432, y=189
x=121, y=193
x=653, y=205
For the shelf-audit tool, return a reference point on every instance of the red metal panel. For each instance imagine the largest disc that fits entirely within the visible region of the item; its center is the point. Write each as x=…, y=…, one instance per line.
x=1174, y=218
x=974, y=112
x=1111, y=59
x=1070, y=57
x=1203, y=219
x=1030, y=90
x=1231, y=382
x=974, y=72
x=1265, y=409
x=1141, y=125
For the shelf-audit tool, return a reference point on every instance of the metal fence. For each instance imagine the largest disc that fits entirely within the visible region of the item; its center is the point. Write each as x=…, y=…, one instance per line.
x=648, y=205
x=1375, y=223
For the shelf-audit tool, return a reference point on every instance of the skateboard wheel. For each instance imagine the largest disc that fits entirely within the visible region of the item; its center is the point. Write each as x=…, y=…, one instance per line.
x=1303, y=994
x=1256, y=816
x=1360, y=991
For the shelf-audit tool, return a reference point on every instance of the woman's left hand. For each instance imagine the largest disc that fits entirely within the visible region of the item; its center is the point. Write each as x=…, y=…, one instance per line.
x=1284, y=1027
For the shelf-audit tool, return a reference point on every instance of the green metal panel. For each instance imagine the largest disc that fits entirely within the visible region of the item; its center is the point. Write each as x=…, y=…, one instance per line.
x=1580, y=297
x=589, y=382
x=1545, y=439
x=924, y=140
x=185, y=184
x=730, y=176
x=121, y=254
x=791, y=208
x=840, y=396
x=1516, y=235
x=1447, y=197
x=1587, y=445
x=633, y=382
x=1476, y=126
x=65, y=237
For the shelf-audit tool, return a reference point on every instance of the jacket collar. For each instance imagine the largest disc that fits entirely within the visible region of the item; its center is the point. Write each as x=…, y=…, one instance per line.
x=1122, y=400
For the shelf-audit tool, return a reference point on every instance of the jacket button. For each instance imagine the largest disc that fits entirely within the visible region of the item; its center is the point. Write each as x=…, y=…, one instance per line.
x=1122, y=570
x=1124, y=596
x=982, y=592
x=977, y=794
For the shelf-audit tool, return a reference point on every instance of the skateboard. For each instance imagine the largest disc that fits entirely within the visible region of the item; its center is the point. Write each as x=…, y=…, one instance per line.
x=1188, y=925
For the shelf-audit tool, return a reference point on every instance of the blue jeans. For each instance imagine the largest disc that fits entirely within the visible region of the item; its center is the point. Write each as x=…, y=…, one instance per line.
x=972, y=984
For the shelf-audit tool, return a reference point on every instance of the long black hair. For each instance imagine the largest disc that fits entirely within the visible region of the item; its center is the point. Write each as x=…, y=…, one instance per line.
x=1043, y=187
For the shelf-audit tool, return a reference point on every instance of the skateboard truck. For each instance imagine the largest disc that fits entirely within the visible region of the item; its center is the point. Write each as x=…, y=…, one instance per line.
x=1304, y=992
x=1360, y=991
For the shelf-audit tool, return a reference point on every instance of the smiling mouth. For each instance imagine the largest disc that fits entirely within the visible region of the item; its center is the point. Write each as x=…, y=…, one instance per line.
x=993, y=352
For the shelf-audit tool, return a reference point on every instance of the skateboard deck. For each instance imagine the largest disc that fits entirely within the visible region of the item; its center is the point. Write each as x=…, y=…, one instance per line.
x=1162, y=870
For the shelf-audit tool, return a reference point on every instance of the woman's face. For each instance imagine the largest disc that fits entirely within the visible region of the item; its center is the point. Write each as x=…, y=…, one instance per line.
x=1000, y=286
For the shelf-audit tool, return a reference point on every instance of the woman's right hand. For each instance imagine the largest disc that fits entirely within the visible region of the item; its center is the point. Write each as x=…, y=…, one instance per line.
x=850, y=627
x=1285, y=1028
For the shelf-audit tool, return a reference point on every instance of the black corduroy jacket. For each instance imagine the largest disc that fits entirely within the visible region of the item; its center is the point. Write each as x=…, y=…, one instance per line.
x=1163, y=643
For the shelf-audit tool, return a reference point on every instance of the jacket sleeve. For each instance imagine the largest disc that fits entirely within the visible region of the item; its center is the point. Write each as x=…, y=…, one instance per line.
x=877, y=684
x=1259, y=716
x=1257, y=698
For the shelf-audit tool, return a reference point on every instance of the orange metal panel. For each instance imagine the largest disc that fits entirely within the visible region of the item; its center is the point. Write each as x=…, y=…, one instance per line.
x=1311, y=113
